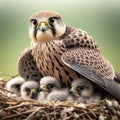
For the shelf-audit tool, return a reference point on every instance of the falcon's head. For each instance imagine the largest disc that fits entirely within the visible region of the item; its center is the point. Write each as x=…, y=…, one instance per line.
x=82, y=87
x=30, y=90
x=49, y=83
x=45, y=26
x=14, y=85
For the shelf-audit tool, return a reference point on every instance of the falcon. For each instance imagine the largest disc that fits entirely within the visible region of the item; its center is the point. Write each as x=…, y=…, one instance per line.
x=51, y=89
x=29, y=90
x=65, y=52
x=83, y=91
x=14, y=85
x=47, y=85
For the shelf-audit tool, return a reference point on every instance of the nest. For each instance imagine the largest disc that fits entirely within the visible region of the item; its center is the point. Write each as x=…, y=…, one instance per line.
x=19, y=109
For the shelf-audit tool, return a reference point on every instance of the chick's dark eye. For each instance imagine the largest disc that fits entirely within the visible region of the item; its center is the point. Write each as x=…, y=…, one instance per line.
x=50, y=86
x=80, y=88
x=17, y=85
x=51, y=20
x=34, y=22
x=27, y=90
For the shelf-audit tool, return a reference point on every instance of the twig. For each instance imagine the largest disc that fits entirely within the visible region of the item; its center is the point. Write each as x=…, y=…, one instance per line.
x=16, y=115
x=68, y=117
x=17, y=106
x=6, y=97
x=32, y=114
x=64, y=105
x=47, y=115
x=89, y=118
x=6, y=90
x=92, y=113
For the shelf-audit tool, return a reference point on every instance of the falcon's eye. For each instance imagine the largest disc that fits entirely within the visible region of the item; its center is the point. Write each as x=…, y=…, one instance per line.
x=80, y=88
x=34, y=22
x=52, y=19
x=27, y=90
x=50, y=86
x=17, y=85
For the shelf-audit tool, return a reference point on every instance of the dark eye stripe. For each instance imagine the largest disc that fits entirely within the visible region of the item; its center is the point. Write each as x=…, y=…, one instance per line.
x=52, y=28
x=35, y=32
x=34, y=22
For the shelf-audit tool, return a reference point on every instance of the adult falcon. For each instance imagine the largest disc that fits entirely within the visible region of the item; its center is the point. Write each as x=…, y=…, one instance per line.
x=65, y=52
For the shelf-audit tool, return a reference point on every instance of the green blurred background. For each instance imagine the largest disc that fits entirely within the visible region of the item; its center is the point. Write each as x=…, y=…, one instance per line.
x=100, y=18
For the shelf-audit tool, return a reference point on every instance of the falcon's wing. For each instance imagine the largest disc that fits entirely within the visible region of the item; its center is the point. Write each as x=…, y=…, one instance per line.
x=117, y=77
x=91, y=64
x=27, y=67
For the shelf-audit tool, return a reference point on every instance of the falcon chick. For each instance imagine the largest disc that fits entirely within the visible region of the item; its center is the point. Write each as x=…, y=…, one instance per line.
x=83, y=91
x=14, y=86
x=51, y=90
x=47, y=84
x=66, y=53
x=30, y=90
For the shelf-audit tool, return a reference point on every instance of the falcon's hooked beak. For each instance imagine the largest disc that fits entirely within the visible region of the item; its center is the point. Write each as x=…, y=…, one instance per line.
x=43, y=26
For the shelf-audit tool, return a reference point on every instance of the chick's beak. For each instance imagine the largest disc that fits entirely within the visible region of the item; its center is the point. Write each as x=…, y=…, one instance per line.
x=72, y=90
x=33, y=93
x=42, y=88
x=43, y=26
x=33, y=90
